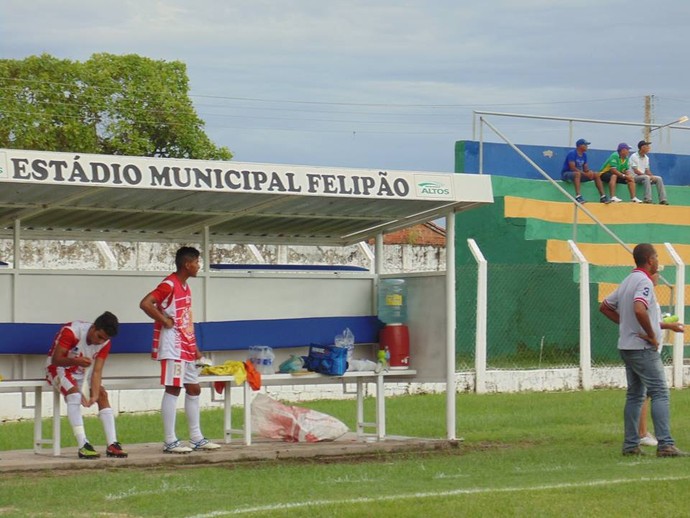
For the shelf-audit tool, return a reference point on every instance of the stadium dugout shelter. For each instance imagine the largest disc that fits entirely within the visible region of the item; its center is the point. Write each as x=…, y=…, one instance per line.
x=104, y=198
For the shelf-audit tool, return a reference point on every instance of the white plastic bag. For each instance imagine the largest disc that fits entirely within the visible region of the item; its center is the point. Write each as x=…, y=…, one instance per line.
x=274, y=420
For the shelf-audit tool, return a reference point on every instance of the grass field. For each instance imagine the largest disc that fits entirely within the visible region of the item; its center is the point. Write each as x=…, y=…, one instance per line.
x=529, y=454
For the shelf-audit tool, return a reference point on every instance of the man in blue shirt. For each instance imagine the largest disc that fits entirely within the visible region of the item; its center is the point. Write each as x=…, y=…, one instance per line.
x=576, y=170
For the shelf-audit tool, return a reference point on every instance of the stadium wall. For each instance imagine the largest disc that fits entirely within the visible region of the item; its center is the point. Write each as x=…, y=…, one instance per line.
x=501, y=159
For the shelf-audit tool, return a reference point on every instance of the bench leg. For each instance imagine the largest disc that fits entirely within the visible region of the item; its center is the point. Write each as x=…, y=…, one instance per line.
x=56, y=423
x=227, y=407
x=380, y=408
x=247, y=415
x=38, y=420
x=360, y=407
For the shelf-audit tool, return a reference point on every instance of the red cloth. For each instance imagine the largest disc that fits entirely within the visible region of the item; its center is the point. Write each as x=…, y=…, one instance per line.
x=253, y=376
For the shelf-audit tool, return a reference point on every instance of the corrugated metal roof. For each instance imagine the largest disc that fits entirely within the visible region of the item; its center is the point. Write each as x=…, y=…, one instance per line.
x=76, y=199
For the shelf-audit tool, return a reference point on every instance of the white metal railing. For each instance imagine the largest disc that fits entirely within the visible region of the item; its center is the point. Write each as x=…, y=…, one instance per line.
x=570, y=121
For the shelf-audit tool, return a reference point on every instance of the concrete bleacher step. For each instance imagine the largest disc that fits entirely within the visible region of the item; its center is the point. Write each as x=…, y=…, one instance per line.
x=558, y=251
x=538, y=229
x=611, y=214
x=544, y=190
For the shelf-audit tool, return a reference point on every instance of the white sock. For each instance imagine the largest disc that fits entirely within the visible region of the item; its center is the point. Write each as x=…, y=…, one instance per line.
x=75, y=419
x=108, y=419
x=168, y=411
x=191, y=408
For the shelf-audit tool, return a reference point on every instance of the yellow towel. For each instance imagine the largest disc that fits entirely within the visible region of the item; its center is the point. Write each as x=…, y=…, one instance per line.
x=229, y=368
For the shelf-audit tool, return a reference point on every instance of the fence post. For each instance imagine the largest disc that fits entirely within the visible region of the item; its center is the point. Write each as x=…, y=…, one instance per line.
x=481, y=145
x=480, y=336
x=680, y=311
x=585, y=332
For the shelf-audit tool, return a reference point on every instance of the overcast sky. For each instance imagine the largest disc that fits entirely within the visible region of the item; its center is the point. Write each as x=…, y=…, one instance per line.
x=388, y=84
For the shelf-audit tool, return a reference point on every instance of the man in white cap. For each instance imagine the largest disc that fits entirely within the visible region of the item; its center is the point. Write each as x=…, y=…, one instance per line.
x=639, y=164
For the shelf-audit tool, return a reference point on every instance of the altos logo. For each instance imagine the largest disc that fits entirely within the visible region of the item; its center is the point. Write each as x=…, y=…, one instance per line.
x=433, y=188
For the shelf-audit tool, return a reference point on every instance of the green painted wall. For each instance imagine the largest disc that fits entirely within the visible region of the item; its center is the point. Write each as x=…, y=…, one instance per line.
x=528, y=297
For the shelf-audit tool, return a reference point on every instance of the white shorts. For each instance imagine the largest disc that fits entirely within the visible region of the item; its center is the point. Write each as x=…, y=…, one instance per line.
x=175, y=373
x=62, y=379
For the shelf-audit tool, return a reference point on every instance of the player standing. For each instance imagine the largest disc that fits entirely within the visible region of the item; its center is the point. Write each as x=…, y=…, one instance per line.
x=174, y=346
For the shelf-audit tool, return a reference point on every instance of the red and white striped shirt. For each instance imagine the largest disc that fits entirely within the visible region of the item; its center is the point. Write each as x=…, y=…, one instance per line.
x=72, y=336
x=179, y=342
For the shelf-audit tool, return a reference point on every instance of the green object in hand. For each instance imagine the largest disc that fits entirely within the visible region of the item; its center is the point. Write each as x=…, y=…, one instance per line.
x=670, y=319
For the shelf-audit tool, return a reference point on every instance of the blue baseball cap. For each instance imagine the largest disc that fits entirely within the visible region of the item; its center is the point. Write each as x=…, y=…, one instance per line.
x=622, y=146
x=582, y=142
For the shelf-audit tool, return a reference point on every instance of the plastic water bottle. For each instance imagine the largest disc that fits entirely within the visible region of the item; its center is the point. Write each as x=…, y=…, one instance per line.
x=381, y=357
x=262, y=357
x=392, y=301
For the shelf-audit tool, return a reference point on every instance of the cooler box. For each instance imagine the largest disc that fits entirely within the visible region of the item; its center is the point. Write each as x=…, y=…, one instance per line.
x=397, y=338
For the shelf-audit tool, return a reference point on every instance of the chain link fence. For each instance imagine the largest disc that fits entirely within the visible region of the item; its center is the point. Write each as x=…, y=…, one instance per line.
x=604, y=280
x=534, y=316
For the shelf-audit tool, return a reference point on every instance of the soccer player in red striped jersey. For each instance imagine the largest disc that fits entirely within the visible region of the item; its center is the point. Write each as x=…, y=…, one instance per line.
x=174, y=346
x=75, y=368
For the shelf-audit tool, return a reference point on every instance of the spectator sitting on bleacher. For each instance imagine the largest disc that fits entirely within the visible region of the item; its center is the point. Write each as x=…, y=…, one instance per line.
x=576, y=170
x=617, y=170
x=639, y=165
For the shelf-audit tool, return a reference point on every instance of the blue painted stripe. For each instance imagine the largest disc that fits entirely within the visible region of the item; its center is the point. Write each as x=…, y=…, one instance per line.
x=36, y=338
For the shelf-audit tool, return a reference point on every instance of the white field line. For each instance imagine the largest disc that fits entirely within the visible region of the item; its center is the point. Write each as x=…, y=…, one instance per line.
x=434, y=494
x=165, y=488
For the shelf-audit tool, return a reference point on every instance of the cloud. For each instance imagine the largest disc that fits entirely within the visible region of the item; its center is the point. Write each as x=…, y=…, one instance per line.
x=359, y=83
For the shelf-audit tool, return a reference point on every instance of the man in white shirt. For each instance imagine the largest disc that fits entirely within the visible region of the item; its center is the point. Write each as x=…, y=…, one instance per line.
x=634, y=308
x=639, y=165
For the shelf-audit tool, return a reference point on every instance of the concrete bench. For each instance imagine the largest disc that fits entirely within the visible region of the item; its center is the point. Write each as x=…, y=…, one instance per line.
x=359, y=378
x=35, y=339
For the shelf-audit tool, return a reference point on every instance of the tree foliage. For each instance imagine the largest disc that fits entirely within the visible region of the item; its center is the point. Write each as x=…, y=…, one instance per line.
x=123, y=105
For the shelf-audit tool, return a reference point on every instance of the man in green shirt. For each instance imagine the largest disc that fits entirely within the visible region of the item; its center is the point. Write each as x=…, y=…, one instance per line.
x=617, y=170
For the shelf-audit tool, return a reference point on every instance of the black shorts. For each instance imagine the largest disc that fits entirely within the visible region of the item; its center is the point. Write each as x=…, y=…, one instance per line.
x=606, y=177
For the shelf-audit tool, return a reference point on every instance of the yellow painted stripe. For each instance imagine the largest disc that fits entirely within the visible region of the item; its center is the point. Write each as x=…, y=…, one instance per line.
x=558, y=251
x=663, y=296
x=663, y=293
x=612, y=214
